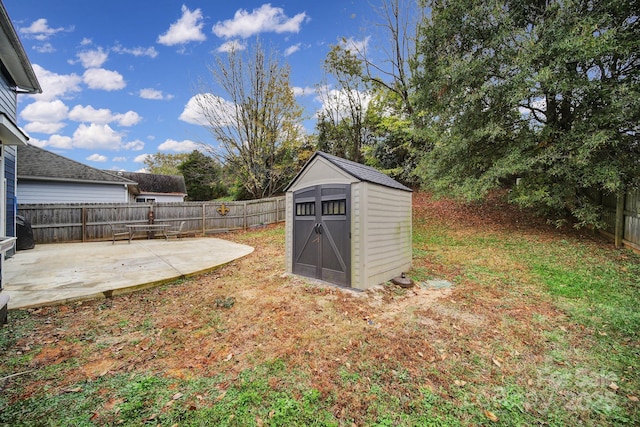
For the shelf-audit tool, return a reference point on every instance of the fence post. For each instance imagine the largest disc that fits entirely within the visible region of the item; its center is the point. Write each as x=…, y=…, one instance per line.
x=244, y=216
x=84, y=224
x=619, y=228
x=204, y=219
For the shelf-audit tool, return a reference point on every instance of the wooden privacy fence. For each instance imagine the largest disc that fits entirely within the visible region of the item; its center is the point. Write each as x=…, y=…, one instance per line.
x=57, y=223
x=630, y=219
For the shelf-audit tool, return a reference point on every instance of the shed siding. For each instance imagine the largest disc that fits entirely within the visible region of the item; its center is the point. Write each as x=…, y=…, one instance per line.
x=388, y=237
x=357, y=235
x=288, y=244
x=36, y=192
x=8, y=100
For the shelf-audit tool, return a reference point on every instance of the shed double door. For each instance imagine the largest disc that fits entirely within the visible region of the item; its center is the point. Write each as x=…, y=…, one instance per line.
x=321, y=233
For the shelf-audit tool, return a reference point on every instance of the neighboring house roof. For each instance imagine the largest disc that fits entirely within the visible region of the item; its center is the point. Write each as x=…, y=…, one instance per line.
x=357, y=170
x=14, y=58
x=150, y=183
x=39, y=164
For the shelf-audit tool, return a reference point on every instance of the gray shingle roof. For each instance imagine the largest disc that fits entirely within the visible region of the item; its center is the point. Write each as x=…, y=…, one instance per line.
x=154, y=183
x=361, y=172
x=40, y=164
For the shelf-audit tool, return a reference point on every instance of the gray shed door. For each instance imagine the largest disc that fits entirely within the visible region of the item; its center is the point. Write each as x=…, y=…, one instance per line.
x=321, y=234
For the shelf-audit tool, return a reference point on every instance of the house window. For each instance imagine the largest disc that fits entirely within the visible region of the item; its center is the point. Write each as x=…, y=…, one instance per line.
x=334, y=207
x=145, y=200
x=306, y=209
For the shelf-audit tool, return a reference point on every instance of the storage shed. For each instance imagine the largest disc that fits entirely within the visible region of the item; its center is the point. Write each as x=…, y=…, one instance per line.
x=347, y=223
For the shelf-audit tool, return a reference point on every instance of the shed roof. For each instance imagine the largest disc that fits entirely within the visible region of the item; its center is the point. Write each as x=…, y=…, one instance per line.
x=39, y=164
x=154, y=183
x=357, y=170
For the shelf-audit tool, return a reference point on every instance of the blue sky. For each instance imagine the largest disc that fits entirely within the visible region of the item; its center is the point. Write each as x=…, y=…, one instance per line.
x=117, y=76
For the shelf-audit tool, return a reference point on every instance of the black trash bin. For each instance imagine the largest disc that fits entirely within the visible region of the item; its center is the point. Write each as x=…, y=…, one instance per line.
x=25, y=234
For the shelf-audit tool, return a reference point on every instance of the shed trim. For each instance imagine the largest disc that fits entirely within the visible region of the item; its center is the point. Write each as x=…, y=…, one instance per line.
x=357, y=170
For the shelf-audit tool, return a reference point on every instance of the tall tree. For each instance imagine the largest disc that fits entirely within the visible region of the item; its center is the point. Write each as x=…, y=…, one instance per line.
x=341, y=122
x=202, y=177
x=165, y=163
x=547, y=91
x=255, y=118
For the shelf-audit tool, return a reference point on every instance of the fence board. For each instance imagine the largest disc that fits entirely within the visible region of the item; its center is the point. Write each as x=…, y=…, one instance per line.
x=631, y=234
x=56, y=223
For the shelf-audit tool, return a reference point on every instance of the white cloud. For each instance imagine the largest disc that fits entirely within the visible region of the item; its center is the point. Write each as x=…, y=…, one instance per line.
x=55, y=85
x=264, y=19
x=292, y=49
x=303, y=91
x=232, y=45
x=99, y=78
x=217, y=109
x=355, y=46
x=44, y=127
x=44, y=48
x=40, y=30
x=86, y=41
x=150, y=93
x=55, y=141
x=127, y=119
x=92, y=58
x=97, y=158
x=186, y=29
x=185, y=146
x=151, y=52
x=96, y=137
x=141, y=158
x=44, y=116
x=45, y=111
x=135, y=145
x=119, y=159
x=89, y=114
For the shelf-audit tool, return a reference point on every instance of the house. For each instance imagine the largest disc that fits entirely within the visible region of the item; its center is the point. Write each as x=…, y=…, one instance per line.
x=157, y=188
x=347, y=223
x=47, y=177
x=17, y=77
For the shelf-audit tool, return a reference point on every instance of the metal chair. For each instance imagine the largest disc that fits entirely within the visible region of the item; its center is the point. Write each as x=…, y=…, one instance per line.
x=178, y=232
x=117, y=232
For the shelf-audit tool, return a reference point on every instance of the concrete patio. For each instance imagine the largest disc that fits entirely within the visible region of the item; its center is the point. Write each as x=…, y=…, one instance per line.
x=63, y=272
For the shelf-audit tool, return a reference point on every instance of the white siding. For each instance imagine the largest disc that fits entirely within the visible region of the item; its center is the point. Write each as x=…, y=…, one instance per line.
x=388, y=236
x=161, y=198
x=34, y=192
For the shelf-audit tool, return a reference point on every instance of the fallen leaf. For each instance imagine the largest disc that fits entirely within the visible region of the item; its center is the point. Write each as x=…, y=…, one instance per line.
x=633, y=398
x=73, y=390
x=613, y=386
x=491, y=416
x=460, y=383
x=497, y=362
x=177, y=396
x=420, y=354
x=229, y=357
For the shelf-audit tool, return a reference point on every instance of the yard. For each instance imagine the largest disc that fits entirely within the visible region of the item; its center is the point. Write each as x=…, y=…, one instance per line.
x=540, y=327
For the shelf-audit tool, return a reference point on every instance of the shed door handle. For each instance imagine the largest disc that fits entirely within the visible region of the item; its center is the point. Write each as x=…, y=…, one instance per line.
x=319, y=229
